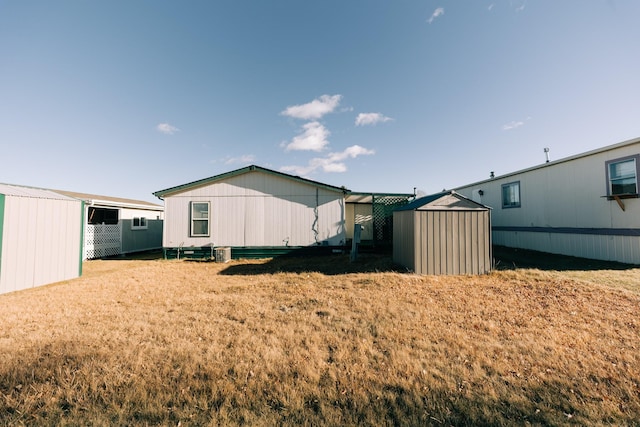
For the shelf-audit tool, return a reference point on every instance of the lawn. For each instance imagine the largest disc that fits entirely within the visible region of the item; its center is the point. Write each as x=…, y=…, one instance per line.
x=321, y=341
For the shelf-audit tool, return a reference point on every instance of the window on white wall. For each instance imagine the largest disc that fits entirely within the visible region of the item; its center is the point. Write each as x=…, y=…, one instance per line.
x=622, y=176
x=199, y=219
x=139, y=223
x=511, y=195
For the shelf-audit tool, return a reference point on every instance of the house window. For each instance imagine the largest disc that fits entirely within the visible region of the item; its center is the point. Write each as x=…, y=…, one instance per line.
x=511, y=195
x=139, y=223
x=622, y=176
x=199, y=219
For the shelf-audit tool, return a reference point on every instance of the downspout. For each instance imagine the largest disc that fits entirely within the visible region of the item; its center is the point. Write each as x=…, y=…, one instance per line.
x=314, y=226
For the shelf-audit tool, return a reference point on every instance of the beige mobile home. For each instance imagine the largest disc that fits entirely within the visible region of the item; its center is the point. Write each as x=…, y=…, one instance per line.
x=255, y=211
x=585, y=205
x=40, y=237
x=444, y=233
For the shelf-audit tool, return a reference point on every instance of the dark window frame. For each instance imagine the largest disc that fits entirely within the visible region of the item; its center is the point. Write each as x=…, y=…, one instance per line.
x=511, y=205
x=608, y=163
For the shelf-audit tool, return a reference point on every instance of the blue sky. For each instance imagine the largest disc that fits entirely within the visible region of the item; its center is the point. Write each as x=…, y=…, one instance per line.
x=125, y=98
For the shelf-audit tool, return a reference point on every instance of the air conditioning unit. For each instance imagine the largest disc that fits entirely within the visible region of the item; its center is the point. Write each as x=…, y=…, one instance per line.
x=222, y=254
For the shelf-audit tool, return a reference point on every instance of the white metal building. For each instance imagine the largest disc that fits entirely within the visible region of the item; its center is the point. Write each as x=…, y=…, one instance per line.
x=40, y=237
x=251, y=210
x=585, y=205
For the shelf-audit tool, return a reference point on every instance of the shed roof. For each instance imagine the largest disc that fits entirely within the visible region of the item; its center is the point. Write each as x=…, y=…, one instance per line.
x=248, y=169
x=447, y=200
x=32, y=192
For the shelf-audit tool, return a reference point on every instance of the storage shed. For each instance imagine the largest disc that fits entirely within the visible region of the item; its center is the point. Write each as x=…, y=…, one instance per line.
x=40, y=237
x=445, y=233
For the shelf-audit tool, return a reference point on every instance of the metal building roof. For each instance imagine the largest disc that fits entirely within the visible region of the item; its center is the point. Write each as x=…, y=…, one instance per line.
x=36, y=193
x=111, y=201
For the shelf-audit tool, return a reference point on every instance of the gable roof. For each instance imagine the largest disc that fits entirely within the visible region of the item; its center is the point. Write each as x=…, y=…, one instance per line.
x=248, y=169
x=447, y=200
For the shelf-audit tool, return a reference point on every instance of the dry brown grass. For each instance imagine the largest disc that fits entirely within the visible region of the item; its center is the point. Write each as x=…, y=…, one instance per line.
x=268, y=343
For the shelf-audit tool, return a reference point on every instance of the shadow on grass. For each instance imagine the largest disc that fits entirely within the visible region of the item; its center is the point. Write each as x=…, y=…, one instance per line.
x=325, y=264
x=513, y=258
x=504, y=259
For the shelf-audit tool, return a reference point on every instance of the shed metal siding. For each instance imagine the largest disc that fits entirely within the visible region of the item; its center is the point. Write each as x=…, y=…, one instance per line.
x=443, y=234
x=258, y=209
x=41, y=240
x=452, y=242
x=563, y=209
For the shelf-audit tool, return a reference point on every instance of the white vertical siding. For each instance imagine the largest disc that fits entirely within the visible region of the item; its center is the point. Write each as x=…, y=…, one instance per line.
x=258, y=209
x=41, y=242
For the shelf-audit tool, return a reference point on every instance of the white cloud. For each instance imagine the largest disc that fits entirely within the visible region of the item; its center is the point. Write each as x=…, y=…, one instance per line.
x=245, y=159
x=332, y=163
x=313, y=138
x=436, y=14
x=364, y=119
x=315, y=109
x=167, y=129
x=512, y=125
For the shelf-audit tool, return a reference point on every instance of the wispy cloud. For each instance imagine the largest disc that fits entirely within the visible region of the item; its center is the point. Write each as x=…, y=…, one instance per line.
x=167, y=129
x=332, y=163
x=313, y=138
x=518, y=5
x=512, y=125
x=245, y=159
x=364, y=119
x=315, y=109
x=436, y=14
x=491, y=6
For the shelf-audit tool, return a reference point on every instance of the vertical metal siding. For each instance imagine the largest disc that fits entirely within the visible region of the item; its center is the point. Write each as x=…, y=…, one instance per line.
x=404, y=242
x=41, y=239
x=444, y=242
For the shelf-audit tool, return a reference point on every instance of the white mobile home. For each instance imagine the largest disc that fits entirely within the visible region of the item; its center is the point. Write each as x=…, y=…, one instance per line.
x=585, y=205
x=117, y=226
x=40, y=237
x=254, y=211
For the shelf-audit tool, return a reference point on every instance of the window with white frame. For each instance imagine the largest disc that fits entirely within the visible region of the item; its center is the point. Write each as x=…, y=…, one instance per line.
x=199, y=219
x=511, y=195
x=139, y=223
x=622, y=176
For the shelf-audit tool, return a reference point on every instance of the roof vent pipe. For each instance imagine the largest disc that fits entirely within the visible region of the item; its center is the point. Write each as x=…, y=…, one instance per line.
x=546, y=153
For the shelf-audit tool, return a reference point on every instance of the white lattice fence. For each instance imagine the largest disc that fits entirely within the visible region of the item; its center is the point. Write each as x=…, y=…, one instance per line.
x=102, y=240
